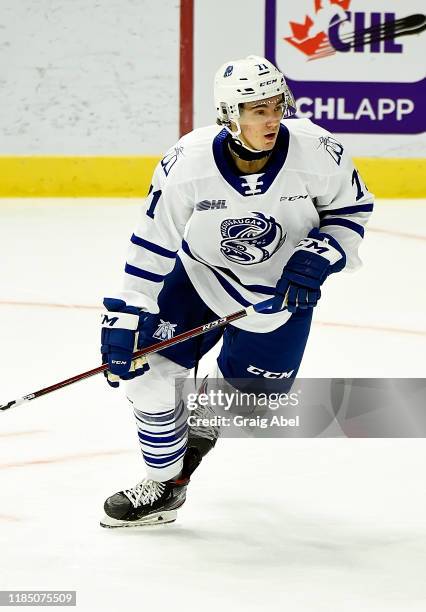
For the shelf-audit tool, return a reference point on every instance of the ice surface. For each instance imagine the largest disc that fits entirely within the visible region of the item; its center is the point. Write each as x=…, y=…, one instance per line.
x=333, y=525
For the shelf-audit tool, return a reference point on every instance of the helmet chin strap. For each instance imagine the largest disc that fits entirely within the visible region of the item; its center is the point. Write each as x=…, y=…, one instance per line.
x=244, y=152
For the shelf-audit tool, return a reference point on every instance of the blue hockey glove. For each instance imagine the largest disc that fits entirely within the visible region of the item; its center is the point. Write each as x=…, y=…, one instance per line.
x=120, y=332
x=313, y=259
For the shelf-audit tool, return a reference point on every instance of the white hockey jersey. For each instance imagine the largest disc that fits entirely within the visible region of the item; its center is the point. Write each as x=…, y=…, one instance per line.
x=233, y=233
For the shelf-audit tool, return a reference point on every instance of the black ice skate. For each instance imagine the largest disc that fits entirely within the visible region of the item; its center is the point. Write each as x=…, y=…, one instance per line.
x=148, y=503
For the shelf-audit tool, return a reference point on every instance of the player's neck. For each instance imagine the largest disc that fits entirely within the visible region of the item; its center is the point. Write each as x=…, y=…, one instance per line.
x=249, y=167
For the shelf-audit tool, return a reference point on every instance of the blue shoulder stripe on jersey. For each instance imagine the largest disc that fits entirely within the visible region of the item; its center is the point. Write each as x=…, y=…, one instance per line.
x=134, y=271
x=347, y=210
x=344, y=223
x=274, y=165
x=151, y=246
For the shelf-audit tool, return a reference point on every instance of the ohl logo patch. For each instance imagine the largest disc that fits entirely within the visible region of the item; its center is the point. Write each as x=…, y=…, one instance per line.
x=250, y=240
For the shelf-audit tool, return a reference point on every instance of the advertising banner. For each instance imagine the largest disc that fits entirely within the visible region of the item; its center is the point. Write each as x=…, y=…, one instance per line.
x=355, y=66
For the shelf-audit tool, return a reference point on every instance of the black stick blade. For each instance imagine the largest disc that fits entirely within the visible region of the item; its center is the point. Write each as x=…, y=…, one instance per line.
x=18, y=402
x=7, y=406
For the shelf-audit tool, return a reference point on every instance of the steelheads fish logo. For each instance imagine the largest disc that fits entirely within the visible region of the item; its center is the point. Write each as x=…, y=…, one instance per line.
x=252, y=239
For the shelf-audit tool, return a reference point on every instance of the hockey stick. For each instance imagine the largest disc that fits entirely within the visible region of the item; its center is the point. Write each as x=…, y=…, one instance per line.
x=191, y=333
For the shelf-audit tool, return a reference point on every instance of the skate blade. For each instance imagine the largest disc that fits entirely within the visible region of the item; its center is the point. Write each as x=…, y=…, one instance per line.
x=158, y=518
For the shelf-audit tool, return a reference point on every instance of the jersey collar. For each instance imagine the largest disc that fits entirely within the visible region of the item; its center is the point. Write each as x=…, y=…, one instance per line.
x=252, y=184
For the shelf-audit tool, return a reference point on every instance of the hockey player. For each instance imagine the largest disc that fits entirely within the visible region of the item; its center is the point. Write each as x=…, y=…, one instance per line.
x=263, y=205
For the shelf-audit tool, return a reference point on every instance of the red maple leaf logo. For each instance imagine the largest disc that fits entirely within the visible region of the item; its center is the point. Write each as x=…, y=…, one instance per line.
x=343, y=3
x=318, y=42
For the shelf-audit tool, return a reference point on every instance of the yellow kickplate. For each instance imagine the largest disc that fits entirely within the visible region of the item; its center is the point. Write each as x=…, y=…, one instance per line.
x=130, y=177
x=54, y=176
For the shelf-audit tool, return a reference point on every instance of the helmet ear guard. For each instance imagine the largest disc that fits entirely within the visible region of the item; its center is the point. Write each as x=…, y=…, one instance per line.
x=223, y=113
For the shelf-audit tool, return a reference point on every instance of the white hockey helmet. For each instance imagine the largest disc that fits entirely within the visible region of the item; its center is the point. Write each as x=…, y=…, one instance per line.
x=247, y=80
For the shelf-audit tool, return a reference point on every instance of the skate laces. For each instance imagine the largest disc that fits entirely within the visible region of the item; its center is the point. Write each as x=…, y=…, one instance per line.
x=145, y=492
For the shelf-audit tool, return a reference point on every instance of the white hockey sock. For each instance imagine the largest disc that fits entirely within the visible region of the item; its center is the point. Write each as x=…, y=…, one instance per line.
x=163, y=439
x=160, y=418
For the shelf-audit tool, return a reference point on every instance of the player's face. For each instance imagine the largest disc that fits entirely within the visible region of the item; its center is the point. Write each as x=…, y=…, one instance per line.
x=260, y=122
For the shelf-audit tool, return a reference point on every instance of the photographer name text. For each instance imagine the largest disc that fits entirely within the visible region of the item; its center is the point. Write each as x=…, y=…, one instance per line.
x=241, y=421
